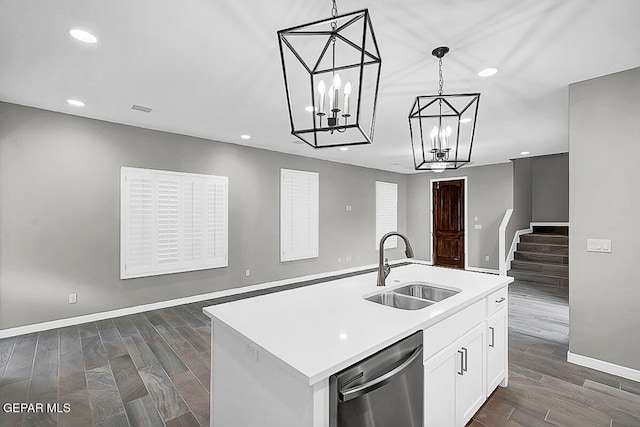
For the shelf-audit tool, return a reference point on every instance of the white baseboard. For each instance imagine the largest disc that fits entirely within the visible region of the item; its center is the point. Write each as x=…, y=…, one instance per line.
x=94, y=317
x=484, y=270
x=601, y=365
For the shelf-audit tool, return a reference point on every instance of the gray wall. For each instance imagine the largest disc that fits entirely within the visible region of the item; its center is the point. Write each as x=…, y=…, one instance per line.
x=60, y=208
x=490, y=190
x=522, y=199
x=540, y=192
x=604, y=203
x=550, y=192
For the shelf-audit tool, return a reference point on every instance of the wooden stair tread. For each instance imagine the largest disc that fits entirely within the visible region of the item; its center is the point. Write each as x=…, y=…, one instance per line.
x=542, y=257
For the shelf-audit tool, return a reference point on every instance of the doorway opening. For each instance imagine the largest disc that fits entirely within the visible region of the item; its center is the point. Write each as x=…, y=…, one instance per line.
x=448, y=199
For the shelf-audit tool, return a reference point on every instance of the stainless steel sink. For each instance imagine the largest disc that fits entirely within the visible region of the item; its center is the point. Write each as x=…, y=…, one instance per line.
x=412, y=296
x=392, y=299
x=426, y=292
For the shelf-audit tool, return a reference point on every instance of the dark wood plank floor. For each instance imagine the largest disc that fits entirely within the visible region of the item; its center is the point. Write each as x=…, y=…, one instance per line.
x=149, y=369
x=152, y=369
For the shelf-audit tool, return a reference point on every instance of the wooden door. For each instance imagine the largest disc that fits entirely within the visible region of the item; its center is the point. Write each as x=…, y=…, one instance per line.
x=448, y=223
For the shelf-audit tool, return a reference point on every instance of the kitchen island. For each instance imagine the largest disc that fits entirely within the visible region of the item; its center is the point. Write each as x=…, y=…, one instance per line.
x=272, y=355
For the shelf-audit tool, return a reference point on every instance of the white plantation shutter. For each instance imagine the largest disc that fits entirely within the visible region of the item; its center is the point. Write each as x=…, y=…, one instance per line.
x=172, y=222
x=299, y=214
x=386, y=213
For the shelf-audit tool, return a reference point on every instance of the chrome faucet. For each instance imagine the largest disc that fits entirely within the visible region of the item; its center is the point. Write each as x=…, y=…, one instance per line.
x=383, y=266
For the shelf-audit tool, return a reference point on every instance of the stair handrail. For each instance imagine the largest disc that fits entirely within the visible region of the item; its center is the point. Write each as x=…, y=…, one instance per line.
x=502, y=260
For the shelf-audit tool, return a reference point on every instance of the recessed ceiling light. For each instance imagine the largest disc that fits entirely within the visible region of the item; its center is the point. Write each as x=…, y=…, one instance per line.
x=488, y=72
x=75, y=102
x=344, y=148
x=524, y=153
x=82, y=35
x=245, y=136
x=465, y=120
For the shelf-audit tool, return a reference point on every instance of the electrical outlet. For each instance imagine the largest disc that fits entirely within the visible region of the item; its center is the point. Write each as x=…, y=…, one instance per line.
x=247, y=273
x=339, y=260
x=73, y=298
x=348, y=259
x=486, y=258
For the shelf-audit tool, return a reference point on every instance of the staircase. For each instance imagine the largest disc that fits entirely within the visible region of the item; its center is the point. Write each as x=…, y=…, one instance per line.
x=543, y=257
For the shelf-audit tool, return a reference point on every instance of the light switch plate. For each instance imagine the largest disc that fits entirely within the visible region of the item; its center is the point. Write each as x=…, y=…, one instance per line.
x=478, y=226
x=599, y=245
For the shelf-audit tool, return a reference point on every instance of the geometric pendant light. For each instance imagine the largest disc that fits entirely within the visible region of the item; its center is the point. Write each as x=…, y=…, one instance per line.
x=331, y=72
x=442, y=127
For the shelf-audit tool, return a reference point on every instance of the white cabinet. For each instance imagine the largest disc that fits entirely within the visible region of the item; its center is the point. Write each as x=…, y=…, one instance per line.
x=460, y=373
x=470, y=389
x=497, y=350
x=454, y=381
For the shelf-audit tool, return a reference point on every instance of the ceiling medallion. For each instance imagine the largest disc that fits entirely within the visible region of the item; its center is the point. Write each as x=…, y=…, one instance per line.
x=442, y=127
x=331, y=74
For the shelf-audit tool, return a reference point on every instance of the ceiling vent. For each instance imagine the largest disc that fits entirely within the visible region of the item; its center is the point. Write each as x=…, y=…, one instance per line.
x=141, y=108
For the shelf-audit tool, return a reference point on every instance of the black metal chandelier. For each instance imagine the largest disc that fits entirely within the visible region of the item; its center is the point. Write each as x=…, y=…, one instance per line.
x=331, y=74
x=442, y=127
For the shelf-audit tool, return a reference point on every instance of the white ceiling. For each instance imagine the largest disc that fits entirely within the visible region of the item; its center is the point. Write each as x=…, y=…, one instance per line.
x=211, y=68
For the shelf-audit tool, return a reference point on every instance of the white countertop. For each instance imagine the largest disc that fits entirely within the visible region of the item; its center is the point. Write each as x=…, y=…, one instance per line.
x=321, y=329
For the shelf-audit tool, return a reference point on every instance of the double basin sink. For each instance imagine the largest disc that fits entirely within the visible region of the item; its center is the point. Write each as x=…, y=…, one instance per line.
x=412, y=296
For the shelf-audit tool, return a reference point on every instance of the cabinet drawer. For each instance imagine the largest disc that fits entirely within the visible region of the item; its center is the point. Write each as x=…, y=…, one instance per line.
x=497, y=300
x=442, y=334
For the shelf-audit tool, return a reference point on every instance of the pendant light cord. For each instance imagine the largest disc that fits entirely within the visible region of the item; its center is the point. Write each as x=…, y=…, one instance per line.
x=334, y=25
x=441, y=81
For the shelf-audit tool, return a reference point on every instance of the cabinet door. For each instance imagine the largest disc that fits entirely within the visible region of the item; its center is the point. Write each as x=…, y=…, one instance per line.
x=470, y=374
x=496, y=350
x=439, y=389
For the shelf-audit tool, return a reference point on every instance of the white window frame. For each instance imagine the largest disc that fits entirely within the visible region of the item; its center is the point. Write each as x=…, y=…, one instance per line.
x=299, y=215
x=190, y=234
x=386, y=213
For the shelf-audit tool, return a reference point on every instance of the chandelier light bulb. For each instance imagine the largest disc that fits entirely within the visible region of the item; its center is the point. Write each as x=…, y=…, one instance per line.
x=337, y=81
x=332, y=95
x=335, y=88
x=322, y=88
x=347, y=95
x=347, y=89
x=433, y=135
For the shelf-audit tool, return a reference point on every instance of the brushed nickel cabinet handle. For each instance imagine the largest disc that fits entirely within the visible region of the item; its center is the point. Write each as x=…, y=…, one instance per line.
x=493, y=338
x=461, y=371
x=500, y=300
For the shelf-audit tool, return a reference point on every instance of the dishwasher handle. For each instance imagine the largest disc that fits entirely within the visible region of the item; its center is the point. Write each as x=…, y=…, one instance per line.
x=362, y=389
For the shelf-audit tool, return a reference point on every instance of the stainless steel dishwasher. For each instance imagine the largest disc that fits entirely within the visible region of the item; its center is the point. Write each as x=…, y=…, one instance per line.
x=383, y=390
